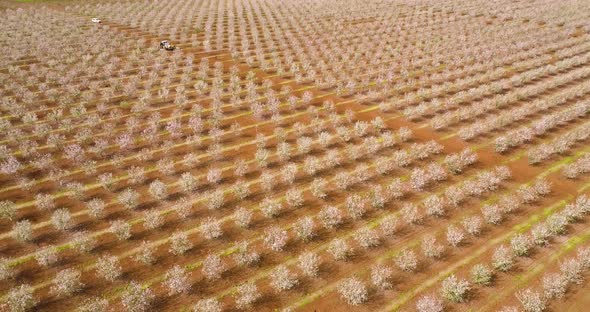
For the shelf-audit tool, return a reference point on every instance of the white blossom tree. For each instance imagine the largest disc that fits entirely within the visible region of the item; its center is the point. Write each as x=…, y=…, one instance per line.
x=188, y=182
x=318, y=188
x=176, y=281
x=509, y=309
x=309, y=263
x=145, y=254
x=353, y=291
x=472, y=225
x=214, y=175
x=46, y=256
x=137, y=298
x=208, y=305
x=242, y=217
x=129, y=198
x=381, y=276
x=67, y=282
x=21, y=298
x=572, y=270
x=108, y=267
x=305, y=228
x=283, y=279
x=340, y=249
x=410, y=213
x=271, y=207
x=43, y=201
x=6, y=271
x=531, y=300
x=179, y=243
x=584, y=257
x=503, y=258
x=62, y=219
x=121, y=229
x=429, y=303
x=22, y=231
x=288, y=173
x=356, y=206
x=94, y=305
x=434, y=205
x=241, y=189
x=455, y=289
x=246, y=295
x=244, y=255
x=521, y=245
x=96, y=207
x=294, y=197
x=367, y=237
x=136, y=175
x=492, y=214
x=430, y=248
x=275, y=238
x=540, y=234
x=481, y=274
x=455, y=236
x=389, y=225
x=331, y=217
x=554, y=285
x=153, y=219
x=211, y=228
x=7, y=210
x=158, y=189
x=213, y=267
x=407, y=260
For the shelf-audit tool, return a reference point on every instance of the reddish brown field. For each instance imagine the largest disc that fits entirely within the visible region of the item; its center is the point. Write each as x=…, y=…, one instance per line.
x=393, y=145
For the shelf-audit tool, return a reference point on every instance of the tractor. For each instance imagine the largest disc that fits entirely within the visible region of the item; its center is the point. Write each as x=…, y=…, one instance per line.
x=166, y=45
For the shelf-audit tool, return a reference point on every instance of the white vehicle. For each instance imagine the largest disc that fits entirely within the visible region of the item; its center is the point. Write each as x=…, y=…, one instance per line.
x=95, y=20
x=166, y=45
